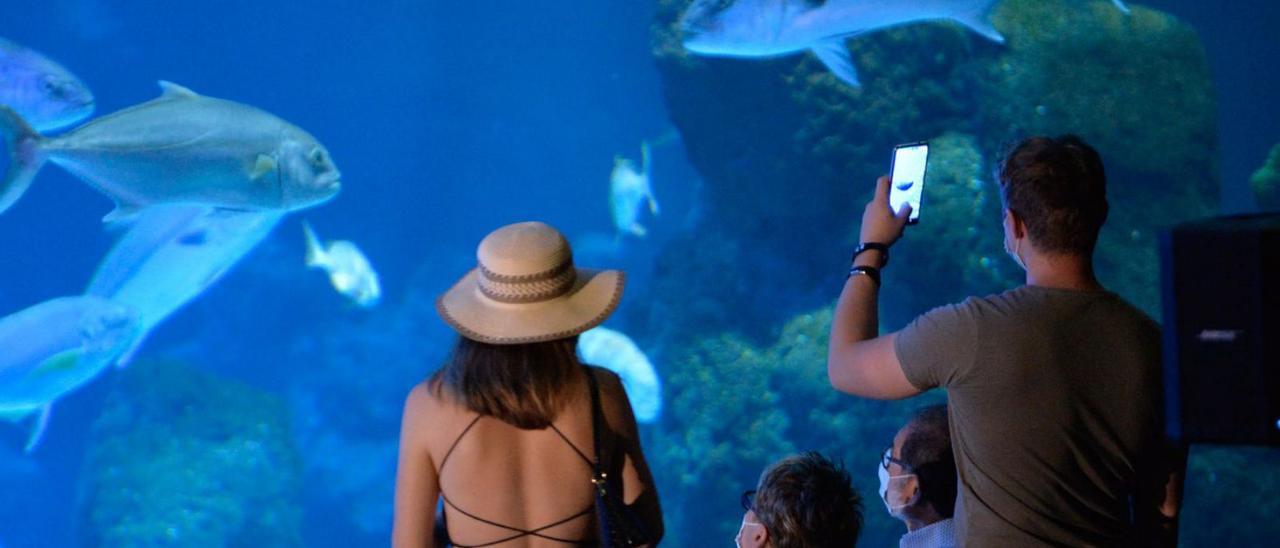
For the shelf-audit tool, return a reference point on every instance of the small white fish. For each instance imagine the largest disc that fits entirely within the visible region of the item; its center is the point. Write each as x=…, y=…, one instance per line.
x=55, y=347
x=629, y=190
x=349, y=270
x=616, y=352
x=181, y=148
x=769, y=28
x=171, y=255
x=47, y=95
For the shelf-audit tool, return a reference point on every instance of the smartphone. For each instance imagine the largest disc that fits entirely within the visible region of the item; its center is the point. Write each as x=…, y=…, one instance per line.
x=906, y=178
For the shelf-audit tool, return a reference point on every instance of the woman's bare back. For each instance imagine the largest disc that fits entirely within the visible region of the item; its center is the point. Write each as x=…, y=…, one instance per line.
x=499, y=481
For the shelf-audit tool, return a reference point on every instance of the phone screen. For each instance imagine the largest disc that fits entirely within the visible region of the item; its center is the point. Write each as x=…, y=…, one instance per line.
x=907, y=177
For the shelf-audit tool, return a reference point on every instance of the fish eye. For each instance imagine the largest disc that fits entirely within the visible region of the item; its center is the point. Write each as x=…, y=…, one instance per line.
x=317, y=156
x=50, y=86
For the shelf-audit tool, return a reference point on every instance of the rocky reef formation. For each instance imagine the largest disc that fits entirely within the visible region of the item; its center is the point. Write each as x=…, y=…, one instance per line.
x=180, y=457
x=1266, y=182
x=789, y=155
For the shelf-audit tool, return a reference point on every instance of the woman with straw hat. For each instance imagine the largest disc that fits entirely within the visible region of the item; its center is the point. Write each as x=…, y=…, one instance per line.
x=503, y=433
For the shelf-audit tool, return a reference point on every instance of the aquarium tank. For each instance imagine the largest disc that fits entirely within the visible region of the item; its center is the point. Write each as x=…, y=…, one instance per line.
x=199, y=352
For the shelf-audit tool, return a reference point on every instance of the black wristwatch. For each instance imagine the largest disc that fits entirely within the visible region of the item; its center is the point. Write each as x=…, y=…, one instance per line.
x=882, y=248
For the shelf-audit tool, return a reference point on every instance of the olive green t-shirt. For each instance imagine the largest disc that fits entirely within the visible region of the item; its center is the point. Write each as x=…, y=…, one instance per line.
x=1055, y=405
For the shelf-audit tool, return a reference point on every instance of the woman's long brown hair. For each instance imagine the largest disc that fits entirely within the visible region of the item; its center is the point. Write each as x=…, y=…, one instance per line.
x=525, y=385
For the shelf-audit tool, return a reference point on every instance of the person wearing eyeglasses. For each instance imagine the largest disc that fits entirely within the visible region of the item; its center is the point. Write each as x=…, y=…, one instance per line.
x=918, y=480
x=802, y=501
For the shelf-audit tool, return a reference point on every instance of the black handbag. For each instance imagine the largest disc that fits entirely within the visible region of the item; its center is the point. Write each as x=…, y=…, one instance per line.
x=618, y=525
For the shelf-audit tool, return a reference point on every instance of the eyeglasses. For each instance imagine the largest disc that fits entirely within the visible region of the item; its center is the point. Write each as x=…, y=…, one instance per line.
x=887, y=458
x=749, y=500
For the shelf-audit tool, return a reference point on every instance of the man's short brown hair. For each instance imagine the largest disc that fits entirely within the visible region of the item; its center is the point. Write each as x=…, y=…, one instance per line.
x=807, y=501
x=1056, y=185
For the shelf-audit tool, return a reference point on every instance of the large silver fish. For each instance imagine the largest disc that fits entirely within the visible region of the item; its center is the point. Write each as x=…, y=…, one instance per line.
x=616, y=352
x=55, y=347
x=44, y=93
x=769, y=28
x=181, y=148
x=171, y=255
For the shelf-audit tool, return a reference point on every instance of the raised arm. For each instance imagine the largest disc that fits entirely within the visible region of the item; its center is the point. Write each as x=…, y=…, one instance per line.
x=417, y=486
x=859, y=360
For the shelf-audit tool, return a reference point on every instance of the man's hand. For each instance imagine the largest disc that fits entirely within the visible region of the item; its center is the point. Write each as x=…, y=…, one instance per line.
x=879, y=224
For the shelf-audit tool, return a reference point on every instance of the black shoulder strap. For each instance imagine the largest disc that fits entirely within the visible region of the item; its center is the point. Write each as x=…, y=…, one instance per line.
x=597, y=417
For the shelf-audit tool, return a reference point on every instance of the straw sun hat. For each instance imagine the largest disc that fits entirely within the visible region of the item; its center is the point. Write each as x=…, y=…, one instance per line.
x=526, y=289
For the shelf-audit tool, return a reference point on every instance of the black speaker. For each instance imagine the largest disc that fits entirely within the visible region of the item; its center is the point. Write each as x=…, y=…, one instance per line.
x=1221, y=301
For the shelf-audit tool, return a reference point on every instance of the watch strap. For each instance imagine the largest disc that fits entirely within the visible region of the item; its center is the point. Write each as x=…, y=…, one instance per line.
x=862, y=247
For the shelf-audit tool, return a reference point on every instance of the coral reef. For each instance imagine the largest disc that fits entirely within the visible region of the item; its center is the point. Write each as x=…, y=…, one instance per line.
x=180, y=457
x=735, y=408
x=1136, y=86
x=1266, y=182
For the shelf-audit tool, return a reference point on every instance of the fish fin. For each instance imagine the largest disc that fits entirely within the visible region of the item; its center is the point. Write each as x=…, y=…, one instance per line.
x=1121, y=6
x=653, y=201
x=61, y=361
x=37, y=429
x=262, y=165
x=638, y=230
x=127, y=357
x=25, y=156
x=315, y=253
x=977, y=22
x=646, y=166
x=170, y=90
x=833, y=53
x=123, y=213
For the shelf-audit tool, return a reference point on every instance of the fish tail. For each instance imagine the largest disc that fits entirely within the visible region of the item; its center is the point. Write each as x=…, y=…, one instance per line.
x=315, y=254
x=25, y=157
x=37, y=429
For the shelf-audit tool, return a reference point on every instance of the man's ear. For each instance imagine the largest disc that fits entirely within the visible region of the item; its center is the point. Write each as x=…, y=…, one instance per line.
x=760, y=537
x=1016, y=226
x=912, y=490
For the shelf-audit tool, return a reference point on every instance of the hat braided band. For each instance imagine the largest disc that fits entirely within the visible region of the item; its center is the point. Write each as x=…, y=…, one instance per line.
x=531, y=288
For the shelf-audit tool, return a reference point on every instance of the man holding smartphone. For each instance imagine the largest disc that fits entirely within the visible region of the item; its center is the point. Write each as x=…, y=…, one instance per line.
x=1054, y=387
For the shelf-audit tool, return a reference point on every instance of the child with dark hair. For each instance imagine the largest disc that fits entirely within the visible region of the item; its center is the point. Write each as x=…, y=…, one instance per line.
x=802, y=501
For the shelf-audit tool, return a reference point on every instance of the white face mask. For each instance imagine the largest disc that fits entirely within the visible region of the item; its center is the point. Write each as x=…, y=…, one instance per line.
x=891, y=490
x=1014, y=253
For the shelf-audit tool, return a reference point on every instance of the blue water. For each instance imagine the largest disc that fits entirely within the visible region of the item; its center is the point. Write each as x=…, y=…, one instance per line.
x=447, y=119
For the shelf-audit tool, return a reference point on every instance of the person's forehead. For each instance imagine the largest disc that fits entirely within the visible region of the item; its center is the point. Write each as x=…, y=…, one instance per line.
x=899, y=438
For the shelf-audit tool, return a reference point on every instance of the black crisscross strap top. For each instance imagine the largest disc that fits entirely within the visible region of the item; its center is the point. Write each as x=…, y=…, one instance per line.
x=517, y=532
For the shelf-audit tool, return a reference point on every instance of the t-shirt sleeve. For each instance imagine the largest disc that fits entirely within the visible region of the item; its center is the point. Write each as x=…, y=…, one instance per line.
x=939, y=347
